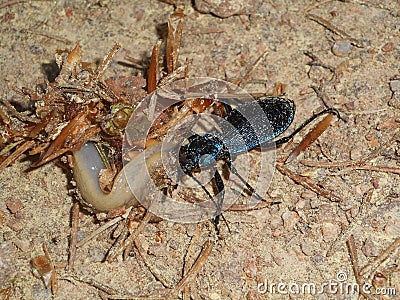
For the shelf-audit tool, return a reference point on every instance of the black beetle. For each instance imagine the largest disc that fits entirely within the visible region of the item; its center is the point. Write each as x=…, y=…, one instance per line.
x=250, y=125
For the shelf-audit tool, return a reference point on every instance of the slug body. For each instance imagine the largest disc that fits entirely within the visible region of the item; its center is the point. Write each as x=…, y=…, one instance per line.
x=87, y=165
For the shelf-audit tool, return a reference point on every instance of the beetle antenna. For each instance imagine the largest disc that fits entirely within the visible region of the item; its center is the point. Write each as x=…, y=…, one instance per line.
x=285, y=139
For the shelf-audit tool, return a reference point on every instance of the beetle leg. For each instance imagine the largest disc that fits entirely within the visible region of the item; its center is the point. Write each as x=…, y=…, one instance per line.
x=248, y=186
x=221, y=195
x=218, y=204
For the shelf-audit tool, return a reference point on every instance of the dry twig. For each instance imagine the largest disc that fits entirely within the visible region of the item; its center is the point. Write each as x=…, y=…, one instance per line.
x=99, y=230
x=12, y=2
x=315, y=5
x=13, y=156
x=242, y=82
x=74, y=235
x=354, y=262
x=381, y=258
x=106, y=61
x=131, y=238
x=360, y=164
x=305, y=182
x=363, y=213
x=189, y=277
x=54, y=279
x=328, y=25
x=310, y=138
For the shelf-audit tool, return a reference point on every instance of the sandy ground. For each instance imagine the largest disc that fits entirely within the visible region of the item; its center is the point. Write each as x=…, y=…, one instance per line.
x=285, y=244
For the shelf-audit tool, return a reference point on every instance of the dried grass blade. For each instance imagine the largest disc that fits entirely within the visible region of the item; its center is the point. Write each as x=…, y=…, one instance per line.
x=153, y=68
x=310, y=137
x=12, y=157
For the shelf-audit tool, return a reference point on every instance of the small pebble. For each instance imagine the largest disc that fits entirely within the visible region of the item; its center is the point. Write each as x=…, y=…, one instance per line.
x=330, y=231
x=225, y=9
x=306, y=91
x=279, y=257
x=340, y=88
x=350, y=105
x=301, y=204
x=392, y=228
x=308, y=195
x=370, y=249
x=314, y=204
x=8, y=266
x=14, y=205
x=39, y=291
x=327, y=214
x=174, y=244
x=157, y=250
x=16, y=224
x=395, y=86
x=374, y=223
x=277, y=233
x=370, y=136
x=36, y=50
x=341, y=48
x=290, y=219
x=23, y=245
x=354, y=211
x=143, y=241
x=375, y=184
x=361, y=188
x=388, y=123
x=250, y=269
x=355, y=154
x=229, y=294
x=275, y=222
x=379, y=280
x=388, y=47
x=307, y=248
x=383, y=182
x=191, y=229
